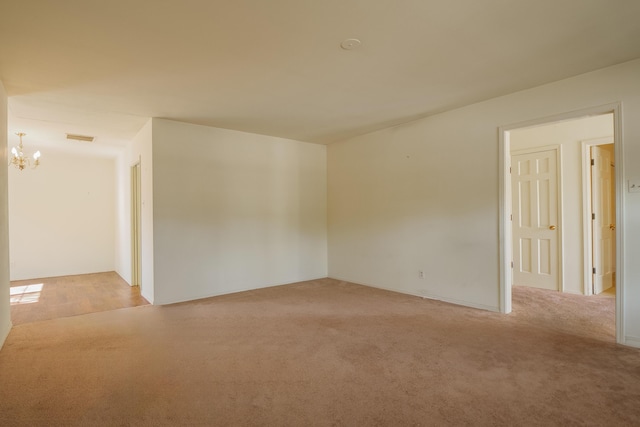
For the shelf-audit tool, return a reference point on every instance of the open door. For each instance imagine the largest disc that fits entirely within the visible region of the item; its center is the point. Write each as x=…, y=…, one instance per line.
x=603, y=218
x=136, y=256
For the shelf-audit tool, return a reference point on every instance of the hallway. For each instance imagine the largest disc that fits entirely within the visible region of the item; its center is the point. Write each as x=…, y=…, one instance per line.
x=55, y=297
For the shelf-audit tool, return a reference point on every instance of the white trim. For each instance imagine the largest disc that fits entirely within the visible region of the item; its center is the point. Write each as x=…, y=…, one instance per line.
x=504, y=204
x=618, y=151
x=459, y=302
x=425, y=295
x=505, y=251
x=137, y=161
x=632, y=341
x=587, y=231
x=244, y=288
x=560, y=194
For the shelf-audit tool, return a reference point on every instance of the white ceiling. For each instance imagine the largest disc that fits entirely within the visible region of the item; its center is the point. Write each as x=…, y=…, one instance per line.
x=275, y=67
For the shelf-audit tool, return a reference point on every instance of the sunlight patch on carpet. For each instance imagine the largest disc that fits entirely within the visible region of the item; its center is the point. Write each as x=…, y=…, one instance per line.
x=27, y=294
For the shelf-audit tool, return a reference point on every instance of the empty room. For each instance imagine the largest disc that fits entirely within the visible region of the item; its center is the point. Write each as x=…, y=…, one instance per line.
x=406, y=212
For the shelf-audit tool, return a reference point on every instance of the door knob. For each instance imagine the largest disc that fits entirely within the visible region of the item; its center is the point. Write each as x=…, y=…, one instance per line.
x=552, y=227
x=612, y=226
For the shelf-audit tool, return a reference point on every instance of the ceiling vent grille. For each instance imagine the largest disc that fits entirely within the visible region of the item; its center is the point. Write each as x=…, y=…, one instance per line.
x=80, y=137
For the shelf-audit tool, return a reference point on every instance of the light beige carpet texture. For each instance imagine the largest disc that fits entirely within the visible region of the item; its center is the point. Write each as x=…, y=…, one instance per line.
x=324, y=353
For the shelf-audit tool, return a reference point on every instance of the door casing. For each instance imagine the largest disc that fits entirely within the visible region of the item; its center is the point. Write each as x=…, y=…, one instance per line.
x=504, y=200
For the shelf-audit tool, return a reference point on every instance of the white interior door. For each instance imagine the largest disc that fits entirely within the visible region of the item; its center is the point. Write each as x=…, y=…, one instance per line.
x=535, y=219
x=136, y=257
x=603, y=219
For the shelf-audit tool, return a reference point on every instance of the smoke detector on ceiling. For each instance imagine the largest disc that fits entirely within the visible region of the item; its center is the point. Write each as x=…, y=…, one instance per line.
x=80, y=137
x=350, y=44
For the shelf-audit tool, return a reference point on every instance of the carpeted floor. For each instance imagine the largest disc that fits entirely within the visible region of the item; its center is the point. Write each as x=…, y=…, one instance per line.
x=324, y=353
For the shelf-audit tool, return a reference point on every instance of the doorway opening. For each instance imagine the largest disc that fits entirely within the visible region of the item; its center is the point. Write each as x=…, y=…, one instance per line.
x=62, y=256
x=560, y=223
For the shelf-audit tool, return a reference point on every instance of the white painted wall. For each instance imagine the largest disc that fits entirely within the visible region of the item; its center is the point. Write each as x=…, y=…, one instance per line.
x=61, y=216
x=417, y=197
x=5, y=311
x=569, y=136
x=122, y=256
x=140, y=150
x=234, y=211
x=425, y=195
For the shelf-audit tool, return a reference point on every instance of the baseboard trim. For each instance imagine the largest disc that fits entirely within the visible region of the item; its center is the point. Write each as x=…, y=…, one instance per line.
x=230, y=291
x=632, y=341
x=463, y=303
x=572, y=292
x=426, y=295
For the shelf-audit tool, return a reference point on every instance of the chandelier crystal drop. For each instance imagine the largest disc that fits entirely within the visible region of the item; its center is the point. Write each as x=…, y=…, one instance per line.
x=18, y=158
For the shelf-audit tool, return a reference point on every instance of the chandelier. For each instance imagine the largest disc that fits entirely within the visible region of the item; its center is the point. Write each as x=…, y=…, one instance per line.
x=19, y=160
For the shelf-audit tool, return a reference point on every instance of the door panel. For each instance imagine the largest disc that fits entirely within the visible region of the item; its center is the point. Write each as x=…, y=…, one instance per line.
x=535, y=219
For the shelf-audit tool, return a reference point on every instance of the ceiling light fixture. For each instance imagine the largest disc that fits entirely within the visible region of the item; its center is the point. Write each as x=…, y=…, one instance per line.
x=19, y=160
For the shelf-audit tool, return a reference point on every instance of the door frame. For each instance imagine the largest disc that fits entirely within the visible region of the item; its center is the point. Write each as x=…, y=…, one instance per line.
x=504, y=203
x=587, y=208
x=560, y=248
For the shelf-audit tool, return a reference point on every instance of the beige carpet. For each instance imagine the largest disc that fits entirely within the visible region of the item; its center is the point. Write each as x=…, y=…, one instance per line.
x=324, y=353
